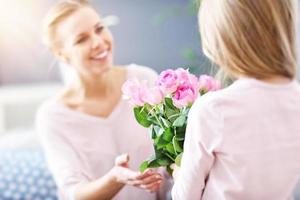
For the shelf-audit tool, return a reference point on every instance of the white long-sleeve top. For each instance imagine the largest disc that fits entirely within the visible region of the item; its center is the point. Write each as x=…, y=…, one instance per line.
x=242, y=143
x=80, y=148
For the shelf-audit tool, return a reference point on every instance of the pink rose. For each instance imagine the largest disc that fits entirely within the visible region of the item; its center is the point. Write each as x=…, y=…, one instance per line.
x=135, y=91
x=153, y=96
x=167, y=81
x=208, y=83
x=185, y=95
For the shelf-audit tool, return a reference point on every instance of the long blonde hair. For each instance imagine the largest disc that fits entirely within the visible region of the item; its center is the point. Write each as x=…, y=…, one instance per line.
x=253, y=38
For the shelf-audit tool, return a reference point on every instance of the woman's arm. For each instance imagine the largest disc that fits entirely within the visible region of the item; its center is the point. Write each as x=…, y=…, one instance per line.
x=111, y=183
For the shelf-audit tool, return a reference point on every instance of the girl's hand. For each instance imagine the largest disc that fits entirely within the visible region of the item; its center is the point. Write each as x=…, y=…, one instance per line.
x=176, y=171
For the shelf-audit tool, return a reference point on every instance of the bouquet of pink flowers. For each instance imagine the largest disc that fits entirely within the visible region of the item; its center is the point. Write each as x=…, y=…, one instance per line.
x=164, y=108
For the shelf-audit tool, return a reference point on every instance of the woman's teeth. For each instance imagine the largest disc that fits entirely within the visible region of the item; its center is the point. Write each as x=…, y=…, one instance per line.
x=101, y=55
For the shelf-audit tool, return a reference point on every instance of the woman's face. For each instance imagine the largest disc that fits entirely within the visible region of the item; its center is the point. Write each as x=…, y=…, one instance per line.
x=86, y=44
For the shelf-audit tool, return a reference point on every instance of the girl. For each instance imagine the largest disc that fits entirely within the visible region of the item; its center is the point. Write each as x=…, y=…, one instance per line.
x=243, y=142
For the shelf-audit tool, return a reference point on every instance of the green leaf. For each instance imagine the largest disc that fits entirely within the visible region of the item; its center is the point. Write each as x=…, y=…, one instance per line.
x=153, y=133
x=164, y=161
x=153, y=164
x=180, y=121
x=186, y=111
x=165, y=122
x=178, y=159
x=160, y=142
x=169, y=103
x=153, y=120
x=168, y=135
x=158, y=130
x=144, y=166
x=158, y=153
x=170, y=148
x=169, y=170
x=141, y=116
x=177, y=146
x=180, y=133
x=171, y=114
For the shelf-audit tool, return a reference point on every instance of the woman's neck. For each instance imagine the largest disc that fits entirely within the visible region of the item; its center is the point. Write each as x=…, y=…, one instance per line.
x=98, y=87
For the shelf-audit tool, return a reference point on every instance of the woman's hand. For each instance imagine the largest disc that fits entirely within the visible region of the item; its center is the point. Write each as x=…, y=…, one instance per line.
x=123, y=174
x=149, y=180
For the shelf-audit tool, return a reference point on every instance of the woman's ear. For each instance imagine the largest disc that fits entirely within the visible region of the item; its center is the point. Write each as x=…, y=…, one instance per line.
x=63, y=57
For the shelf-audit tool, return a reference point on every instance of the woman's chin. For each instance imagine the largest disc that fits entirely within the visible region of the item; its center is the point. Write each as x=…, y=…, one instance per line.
x=98, y=71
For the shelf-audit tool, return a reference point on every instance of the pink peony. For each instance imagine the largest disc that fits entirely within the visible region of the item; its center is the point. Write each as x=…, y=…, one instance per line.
x=185, y=95
x=135, y=91
x=208, y=83
x=182, y=75
x=167, y=81
x=153, y=96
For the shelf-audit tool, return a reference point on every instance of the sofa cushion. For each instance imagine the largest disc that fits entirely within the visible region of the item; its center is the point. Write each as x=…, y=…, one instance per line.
x=24, y=175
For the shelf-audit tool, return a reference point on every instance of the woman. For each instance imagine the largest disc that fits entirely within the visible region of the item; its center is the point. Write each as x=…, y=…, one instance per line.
x=86, y=126
x=243, y=142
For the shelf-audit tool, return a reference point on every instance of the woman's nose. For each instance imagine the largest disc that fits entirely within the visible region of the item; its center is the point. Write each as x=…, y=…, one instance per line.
x=97, y=41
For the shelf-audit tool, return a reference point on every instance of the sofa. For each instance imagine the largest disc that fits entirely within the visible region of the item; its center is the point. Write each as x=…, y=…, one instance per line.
x=23, y=171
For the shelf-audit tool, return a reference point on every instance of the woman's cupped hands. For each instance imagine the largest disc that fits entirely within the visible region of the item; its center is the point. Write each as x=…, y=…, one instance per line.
x=149, y=180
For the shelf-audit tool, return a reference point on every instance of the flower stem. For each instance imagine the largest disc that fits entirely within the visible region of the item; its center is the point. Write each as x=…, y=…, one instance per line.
x=170, y=157
x=154, y=114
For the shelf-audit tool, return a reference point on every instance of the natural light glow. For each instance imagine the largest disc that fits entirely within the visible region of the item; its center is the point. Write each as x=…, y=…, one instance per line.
x=16, y=14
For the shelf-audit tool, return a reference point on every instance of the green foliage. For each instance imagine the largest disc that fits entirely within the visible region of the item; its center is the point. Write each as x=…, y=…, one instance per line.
x=167, y=124
x=142, y=116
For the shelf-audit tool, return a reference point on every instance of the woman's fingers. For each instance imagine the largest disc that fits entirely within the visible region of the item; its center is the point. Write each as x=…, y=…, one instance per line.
x=122, y=160
x=152, y=187
x=126, y=176
x=147, y=173
x=151, y=179
x=136, y=183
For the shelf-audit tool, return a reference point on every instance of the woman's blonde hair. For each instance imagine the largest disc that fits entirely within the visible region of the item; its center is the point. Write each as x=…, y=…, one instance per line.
x=254, y=38
x=56, y=15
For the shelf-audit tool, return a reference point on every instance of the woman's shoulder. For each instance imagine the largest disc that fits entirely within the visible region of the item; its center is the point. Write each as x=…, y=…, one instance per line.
x=141, y=72
x=49, y=110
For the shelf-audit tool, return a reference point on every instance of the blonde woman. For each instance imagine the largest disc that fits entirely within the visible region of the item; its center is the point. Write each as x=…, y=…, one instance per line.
x=243, y=142
x=87, y=125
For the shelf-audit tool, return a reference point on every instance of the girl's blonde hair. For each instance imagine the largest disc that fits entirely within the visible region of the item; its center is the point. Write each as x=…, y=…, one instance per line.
x=253, y=38
x=56, y=15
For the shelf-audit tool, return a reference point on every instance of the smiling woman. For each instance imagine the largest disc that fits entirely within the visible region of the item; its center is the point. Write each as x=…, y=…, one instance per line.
x=83, y=157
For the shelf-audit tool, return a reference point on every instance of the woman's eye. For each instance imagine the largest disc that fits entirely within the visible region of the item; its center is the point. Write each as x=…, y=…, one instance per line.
x=81, y=40
x=99, y=29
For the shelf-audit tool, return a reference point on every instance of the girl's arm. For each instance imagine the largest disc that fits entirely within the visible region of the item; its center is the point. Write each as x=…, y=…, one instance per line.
x=202, y=138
